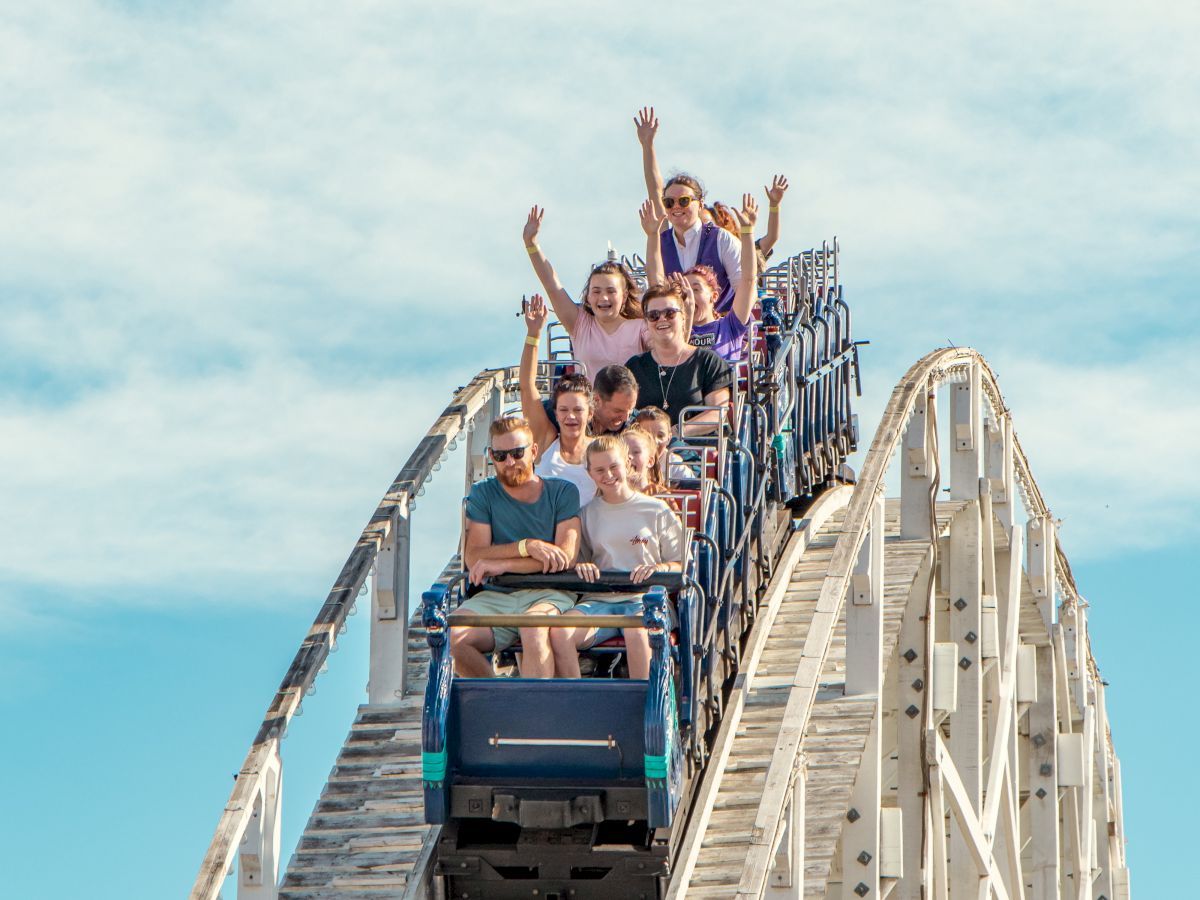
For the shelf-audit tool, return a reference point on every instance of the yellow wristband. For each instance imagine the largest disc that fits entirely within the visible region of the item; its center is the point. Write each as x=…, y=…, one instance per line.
x=747, y=231
x=531, y=340
x=532, y=249
x=772, y=209
x=522, y=549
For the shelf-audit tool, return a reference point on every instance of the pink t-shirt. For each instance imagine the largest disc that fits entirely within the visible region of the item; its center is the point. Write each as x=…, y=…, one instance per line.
x=595, y=349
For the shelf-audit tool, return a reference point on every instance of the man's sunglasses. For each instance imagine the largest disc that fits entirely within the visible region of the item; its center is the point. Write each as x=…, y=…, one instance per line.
x=502, y=455
x=684, y=202
x=653, y=315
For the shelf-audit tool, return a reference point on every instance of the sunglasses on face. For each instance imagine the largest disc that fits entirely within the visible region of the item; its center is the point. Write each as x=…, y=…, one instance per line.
x=653, y=315
x=502, y=455
x=684, y=202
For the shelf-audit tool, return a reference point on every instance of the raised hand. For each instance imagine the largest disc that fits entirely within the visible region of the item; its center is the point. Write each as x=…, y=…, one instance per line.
x=652, y=223
x=532, y=225
x=748, y=214
x=685, y=289
x=536, y=315
x=647, y=124
x=778, y=188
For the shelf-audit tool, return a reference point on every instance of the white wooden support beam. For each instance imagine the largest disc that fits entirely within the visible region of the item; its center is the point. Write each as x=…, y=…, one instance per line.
x=998, y=466
x=917, y=470
x=860, y=832
x=966, y=436
x=389, y=613
x=935, y=825
x=258, y=855
x=1039, y=539
x=477, y=436
x=978, y=847
x=1043, y=802
x=966, y=745
x=910, y=700
x=864, y=613
x=787, y=874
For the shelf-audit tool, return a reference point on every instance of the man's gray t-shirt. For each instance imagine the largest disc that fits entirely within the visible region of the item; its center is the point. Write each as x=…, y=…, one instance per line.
x=512, y=521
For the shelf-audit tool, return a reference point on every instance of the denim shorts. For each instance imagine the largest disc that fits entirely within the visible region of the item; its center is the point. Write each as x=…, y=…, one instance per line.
x=600, y=605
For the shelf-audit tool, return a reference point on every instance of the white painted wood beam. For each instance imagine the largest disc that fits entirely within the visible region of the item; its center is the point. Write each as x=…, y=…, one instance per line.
x=910, y=703
x=389, y=613
x=966, y=722
x=1043, y=803
x=918, y=468
x=787, y=875
x=258, y=854
x=966, y=435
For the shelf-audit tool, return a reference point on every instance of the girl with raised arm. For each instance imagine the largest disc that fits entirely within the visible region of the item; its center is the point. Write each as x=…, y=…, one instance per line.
x=622, y=530
x=572, y=402
x=723, y=333
x=606, y=327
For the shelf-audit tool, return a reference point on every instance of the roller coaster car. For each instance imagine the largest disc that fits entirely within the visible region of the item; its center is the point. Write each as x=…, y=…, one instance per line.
x=555, y=770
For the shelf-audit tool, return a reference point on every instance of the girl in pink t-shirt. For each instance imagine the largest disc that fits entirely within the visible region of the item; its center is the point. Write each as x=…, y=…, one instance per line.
x=606, y=328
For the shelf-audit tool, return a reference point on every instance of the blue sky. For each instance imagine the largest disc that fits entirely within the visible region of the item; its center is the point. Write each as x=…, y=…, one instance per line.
x=247, y=250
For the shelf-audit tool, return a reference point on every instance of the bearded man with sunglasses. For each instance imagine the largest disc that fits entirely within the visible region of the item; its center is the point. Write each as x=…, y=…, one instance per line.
x=517, y=523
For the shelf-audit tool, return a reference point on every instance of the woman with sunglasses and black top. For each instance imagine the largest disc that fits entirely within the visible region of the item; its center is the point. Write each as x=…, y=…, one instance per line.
x=673, y=374
x=724, y=334
x=607, y=327
x=689, y=241
x=566, y=439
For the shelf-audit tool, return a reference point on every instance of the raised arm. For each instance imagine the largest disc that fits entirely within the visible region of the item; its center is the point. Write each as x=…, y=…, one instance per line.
x=647, y=127
x=745, y=292
x=652, y=224
x=775, y=192
x=564, y=306
x=531, y=398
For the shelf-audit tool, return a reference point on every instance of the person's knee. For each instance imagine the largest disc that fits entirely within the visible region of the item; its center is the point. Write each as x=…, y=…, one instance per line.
x=464, y=640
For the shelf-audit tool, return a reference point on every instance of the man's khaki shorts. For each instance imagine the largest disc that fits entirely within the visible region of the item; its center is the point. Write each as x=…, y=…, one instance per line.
x=495, y=603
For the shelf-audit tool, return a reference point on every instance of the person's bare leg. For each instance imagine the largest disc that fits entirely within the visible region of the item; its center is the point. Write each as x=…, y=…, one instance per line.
x=565, y=643
x=637, y=650
x=537, y=659
x=467, y=649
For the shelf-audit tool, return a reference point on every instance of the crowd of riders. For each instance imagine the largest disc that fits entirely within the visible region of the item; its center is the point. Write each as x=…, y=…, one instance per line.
x=582, y=479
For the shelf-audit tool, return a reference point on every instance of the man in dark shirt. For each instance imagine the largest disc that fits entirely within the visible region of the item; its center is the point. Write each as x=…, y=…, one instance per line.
x=616, y=396
x=520, y=523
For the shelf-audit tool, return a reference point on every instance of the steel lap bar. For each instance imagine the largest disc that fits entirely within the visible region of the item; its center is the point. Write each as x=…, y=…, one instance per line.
x=470, y=620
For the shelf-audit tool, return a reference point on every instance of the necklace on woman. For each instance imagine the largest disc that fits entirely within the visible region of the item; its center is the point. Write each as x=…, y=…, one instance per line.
x=662, y=371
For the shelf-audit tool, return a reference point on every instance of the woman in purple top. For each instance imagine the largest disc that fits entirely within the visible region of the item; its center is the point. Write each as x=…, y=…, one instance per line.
x=724, y=334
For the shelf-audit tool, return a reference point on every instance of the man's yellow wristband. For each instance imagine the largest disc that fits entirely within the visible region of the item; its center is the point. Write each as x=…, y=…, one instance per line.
x=522, y=549
x=531, y=249
x=772, y=209
x=531, y=340
x=747, y=231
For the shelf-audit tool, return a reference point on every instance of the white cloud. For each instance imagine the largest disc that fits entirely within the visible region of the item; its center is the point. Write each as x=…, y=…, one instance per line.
x=235, y=235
